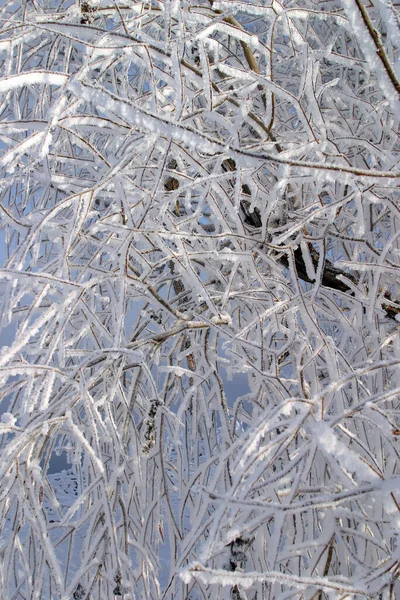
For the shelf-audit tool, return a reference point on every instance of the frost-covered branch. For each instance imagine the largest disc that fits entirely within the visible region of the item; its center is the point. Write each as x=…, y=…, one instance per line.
x=200, y=352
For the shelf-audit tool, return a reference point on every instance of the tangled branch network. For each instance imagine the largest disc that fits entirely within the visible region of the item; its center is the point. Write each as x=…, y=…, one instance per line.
x=200, y=302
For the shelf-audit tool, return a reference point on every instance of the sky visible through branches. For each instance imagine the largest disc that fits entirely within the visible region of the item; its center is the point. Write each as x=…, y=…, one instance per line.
x=200, y=301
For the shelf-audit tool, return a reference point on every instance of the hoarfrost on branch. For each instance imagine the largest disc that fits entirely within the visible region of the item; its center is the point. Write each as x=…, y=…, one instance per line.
x=200, y=299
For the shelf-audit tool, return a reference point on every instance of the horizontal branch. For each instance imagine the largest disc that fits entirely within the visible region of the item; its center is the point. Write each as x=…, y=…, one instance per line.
x=208, y=576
